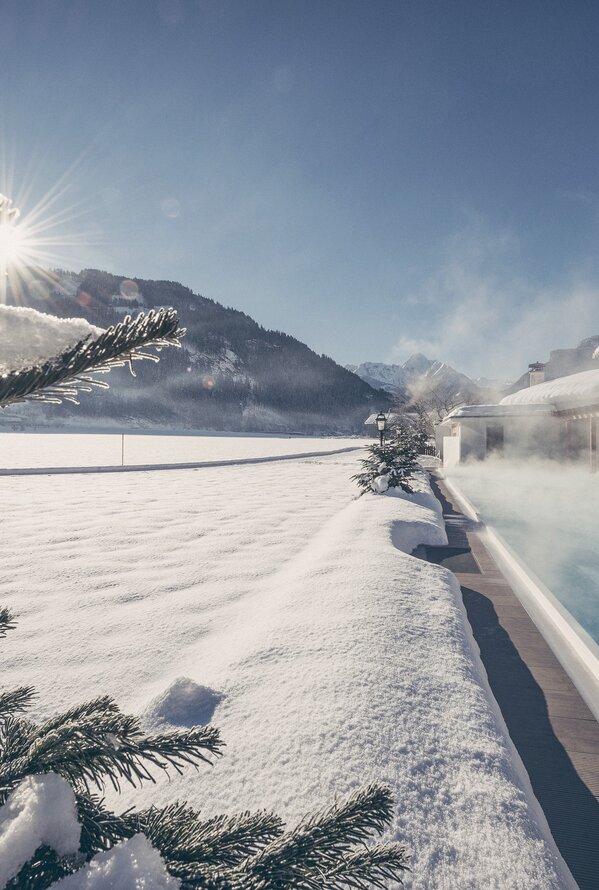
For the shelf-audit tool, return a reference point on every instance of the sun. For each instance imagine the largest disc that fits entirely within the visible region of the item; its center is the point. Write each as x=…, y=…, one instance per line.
x=10, y=235
x=31, y=246
x=13, y=242
x=17, y=246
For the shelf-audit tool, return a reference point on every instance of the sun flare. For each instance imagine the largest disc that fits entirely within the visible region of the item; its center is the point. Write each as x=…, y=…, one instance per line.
x=12, y=244
x=32, y=245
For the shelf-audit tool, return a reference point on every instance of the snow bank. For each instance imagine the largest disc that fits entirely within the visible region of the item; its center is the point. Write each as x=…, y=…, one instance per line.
x=343, y=659
x=31, y=338
x=133, y=864
x=41, y=810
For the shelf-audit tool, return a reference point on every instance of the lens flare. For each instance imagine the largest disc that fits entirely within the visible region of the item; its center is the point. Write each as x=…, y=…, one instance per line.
x=129, y=289
x=171, y=208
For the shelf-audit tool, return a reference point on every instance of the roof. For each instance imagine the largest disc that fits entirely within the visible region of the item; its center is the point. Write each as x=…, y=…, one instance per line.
x=389, y=417
x=575, y=391
x=501, y=410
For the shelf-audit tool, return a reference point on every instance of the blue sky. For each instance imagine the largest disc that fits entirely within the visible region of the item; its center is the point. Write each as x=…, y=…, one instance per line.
x=372, y=177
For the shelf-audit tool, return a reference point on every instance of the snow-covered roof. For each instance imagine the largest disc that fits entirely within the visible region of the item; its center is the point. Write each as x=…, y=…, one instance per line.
x=575, y=391
x=465, y=411
x=390, y=417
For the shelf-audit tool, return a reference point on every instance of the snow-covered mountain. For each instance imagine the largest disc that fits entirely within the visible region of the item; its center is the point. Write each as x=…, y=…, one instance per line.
x=379, y=376
x=416, y=376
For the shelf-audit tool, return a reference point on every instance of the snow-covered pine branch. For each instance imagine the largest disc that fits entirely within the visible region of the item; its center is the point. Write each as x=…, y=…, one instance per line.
x=57, y=377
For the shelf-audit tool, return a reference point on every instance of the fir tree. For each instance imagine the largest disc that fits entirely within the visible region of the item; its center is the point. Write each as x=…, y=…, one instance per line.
x=391, y=465
x=95, y=745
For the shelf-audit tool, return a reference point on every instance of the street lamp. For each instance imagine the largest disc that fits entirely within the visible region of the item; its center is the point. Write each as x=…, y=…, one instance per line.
x=381, y=423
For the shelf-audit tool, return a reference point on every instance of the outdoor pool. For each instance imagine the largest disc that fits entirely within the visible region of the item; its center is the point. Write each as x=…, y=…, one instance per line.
x=548, y=513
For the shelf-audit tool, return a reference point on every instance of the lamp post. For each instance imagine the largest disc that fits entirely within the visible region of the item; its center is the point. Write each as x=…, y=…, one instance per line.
x=381, y=423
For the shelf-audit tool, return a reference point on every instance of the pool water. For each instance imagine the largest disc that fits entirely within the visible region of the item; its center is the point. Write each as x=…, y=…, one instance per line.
x=548, y=513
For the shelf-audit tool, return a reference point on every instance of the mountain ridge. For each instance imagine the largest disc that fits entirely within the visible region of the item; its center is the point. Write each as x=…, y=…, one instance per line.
x=230, y=373
x=418, y=376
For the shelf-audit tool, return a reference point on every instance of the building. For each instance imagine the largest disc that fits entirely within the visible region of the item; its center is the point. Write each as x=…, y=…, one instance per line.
x=557, y=418
x=390, y=419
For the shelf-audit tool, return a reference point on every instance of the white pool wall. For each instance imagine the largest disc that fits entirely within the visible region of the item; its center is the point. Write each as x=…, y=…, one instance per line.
x=576, y=651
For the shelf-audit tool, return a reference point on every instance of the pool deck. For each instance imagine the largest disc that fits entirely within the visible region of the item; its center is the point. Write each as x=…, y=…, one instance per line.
x=556, y=735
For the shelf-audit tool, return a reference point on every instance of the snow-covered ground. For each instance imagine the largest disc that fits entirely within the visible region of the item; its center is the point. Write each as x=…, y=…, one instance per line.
x=549, y=514
x=269, y=599
x=20, y=450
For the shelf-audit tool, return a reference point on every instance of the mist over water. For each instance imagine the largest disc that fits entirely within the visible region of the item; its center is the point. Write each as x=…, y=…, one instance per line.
x=548, y=512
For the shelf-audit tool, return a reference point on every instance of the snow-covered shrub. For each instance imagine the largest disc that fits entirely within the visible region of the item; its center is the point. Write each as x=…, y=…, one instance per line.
x=391, y=465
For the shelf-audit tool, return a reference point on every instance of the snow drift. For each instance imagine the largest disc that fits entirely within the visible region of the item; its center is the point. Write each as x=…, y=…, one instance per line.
x=342, y=658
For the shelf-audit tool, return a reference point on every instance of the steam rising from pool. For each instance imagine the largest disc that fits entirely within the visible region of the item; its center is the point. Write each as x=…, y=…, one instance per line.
x=548, y=512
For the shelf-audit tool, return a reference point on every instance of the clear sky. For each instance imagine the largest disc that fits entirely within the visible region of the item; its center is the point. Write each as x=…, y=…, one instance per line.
x=374, y=177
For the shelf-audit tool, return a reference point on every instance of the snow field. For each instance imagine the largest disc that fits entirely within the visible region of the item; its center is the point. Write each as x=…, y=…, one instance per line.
x=31, y=450
x=328, y=655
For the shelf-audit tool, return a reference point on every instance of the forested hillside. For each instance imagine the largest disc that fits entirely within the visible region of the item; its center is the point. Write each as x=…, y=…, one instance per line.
x=231, y=373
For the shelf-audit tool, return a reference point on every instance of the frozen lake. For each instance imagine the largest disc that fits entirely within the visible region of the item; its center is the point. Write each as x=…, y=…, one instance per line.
x=549, y=514
x=34, y=450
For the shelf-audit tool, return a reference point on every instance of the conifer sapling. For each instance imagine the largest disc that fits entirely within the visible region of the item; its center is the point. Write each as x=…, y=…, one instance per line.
x=391, y=465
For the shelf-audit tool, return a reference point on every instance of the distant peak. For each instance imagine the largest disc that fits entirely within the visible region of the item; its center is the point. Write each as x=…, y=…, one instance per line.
x=417, y=362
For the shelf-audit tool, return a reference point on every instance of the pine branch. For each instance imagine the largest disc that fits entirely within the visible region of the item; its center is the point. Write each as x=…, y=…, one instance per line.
x=7, y=621
x=181, y=747
x=88, y=750
x=371, y=867
x=43, y=870
x=15, y=700
x=102, y=708
x=16, y=734
x=301, y=858
x=61, y=378
x=95, y=743
x=189, y=845
x=101, y=829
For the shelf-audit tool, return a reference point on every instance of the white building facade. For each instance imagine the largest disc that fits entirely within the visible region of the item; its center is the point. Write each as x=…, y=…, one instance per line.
x=557, y=419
